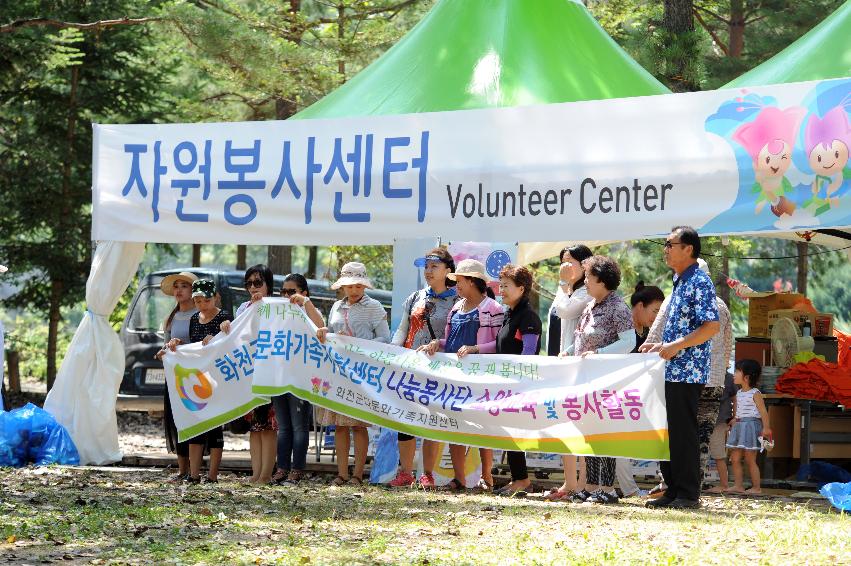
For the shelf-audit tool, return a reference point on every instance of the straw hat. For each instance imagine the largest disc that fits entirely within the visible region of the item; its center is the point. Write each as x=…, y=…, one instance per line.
x=470, y=268
x=168, y=282
x=353, y=273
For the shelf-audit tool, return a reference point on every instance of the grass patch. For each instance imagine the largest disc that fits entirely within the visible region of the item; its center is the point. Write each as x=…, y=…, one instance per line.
x=133, y=517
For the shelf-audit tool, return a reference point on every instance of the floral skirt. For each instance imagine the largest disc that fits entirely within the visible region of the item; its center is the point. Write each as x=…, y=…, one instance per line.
x=326, y=417
x=262, y=418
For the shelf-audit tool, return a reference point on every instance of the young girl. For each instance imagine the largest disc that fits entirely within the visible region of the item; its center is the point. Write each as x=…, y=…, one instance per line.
x=203, y=326
x=750, y=423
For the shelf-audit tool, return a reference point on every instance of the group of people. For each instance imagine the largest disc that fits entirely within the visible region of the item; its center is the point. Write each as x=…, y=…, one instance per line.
x=457, y=313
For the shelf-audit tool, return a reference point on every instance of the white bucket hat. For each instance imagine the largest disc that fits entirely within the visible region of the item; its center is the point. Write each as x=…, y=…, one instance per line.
x=353, y=273
x=168, y=282
x=469, y=268
x=3, y=269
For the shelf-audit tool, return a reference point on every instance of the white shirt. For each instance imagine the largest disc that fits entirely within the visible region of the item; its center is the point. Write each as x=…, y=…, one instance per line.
x=569, y=309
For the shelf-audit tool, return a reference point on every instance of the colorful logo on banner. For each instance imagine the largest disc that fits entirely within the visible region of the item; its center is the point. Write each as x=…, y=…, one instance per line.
x=194, y=387
x=793, y=158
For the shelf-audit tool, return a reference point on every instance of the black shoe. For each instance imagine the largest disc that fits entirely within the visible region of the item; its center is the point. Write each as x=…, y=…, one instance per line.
x=193, y=481
x=580, y=496
x=683, y=503
x=602, y=497
x=660, y=502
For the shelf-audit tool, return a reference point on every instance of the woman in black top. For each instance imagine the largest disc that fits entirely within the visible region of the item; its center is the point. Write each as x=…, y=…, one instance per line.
x=520, y=335
x=646, y=302
x=203, y=326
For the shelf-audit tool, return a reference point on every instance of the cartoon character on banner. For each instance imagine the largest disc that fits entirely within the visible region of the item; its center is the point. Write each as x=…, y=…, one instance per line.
x=827, y=141
x=796, y=159
x=769, y=140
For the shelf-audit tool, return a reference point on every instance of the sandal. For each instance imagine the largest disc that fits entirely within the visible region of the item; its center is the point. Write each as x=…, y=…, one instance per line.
x=339, y=481
x=454, y=486
x=507, y=492
x=482, y=487
x=355, y=481
x=558, y=495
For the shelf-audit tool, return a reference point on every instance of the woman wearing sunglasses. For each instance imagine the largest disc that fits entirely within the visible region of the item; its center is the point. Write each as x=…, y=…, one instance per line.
x=262, y=439
x=293, y=414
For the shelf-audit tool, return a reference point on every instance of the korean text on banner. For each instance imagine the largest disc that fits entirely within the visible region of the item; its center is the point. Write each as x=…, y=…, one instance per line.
x=603, y=405
x=211, y=385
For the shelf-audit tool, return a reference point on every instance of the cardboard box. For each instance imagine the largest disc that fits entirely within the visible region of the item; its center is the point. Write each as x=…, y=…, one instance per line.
x=760, y=304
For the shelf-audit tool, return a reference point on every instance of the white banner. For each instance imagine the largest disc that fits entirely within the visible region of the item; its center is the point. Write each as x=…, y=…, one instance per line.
x=730, y=161
x=609, y=405
x=211, y=385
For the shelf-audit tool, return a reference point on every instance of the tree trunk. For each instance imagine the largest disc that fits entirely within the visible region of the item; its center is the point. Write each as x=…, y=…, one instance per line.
x=341, y=31
x=56, y=283
x=196, y=255
x=803, y=267
x=723, y=288
x=280, y=259
x=736, y=30
x=53, y=317
x=240, y=258
x=13, y=360
x=679, y=48
x=312, y=260
x=677, y=17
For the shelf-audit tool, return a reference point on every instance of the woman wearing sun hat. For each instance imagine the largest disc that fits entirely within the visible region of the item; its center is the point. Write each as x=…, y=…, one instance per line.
x=471, y=328
x=362, y=317
x=423, y=320
x=179, y=286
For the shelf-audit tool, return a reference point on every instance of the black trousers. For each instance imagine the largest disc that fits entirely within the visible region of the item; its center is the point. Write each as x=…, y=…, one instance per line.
x=517, y=465
x=682, y=473
x=600, y=470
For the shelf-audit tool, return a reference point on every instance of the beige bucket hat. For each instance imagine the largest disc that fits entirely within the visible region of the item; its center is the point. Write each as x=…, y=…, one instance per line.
x=168, y=282
x=353, y=273
x=3, y=269
x=469, y=268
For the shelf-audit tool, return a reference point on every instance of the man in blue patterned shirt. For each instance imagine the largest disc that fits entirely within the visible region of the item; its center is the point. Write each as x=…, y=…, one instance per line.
x=691, y=322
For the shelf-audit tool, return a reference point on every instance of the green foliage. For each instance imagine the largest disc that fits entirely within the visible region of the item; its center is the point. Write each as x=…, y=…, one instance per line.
x=27, y=334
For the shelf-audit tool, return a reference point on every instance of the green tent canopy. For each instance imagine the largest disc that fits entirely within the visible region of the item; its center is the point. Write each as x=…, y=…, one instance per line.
x=823, y=53
x=469, y=54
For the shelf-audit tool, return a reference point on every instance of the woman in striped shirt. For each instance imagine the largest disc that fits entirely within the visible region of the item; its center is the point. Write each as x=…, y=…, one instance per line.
x=362, y=317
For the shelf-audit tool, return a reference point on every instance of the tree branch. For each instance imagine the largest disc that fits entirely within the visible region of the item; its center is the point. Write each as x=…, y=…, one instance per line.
x=712, y=33
x=711, y=13
x=48, y=22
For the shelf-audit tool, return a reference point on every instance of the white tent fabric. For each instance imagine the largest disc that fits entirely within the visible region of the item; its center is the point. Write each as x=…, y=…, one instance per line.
x=86, y=388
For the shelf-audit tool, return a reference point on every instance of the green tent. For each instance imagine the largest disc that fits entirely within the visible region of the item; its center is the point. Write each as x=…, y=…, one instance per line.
x=490, y=53
x=823, y=53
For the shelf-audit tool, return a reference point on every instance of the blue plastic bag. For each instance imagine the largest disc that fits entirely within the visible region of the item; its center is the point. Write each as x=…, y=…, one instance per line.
x=30, y=435
x=386, y=459
x=839, y=495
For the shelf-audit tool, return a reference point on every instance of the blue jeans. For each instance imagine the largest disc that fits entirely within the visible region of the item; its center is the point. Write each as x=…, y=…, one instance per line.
x=293, y=415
